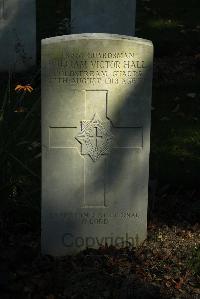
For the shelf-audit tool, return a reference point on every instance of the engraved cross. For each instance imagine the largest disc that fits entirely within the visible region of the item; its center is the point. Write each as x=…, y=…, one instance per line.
x=94, y=137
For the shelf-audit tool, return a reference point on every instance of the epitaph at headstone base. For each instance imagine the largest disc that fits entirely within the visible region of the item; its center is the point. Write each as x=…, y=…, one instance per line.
x=96, y=99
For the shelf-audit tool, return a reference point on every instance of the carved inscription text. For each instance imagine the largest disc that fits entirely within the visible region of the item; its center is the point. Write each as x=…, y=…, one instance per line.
x=96, y=68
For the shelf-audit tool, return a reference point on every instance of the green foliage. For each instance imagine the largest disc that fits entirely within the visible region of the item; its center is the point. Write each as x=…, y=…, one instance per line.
x=20, y=149
x=194, y=260
x=171, y=26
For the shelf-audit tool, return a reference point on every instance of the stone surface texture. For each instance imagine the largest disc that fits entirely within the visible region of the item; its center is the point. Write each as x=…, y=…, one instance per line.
x=17, y=34
x=103, y=16
x=96, y=103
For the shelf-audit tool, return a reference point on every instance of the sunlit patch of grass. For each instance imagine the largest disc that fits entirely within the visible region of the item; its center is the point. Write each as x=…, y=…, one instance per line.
x=185, y=145
x=179, y=138
x=193, y=139
x=162, y=24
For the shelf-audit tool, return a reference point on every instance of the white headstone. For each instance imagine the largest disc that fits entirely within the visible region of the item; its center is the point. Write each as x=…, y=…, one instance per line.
x=103, y=16
x=17, y=34
x=96, y=99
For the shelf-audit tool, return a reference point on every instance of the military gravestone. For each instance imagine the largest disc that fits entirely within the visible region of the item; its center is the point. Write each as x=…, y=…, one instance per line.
x=96, y=99
x=103, y=16
x=17, y=34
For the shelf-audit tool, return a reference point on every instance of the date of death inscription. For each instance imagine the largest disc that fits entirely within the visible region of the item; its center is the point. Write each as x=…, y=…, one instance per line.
x=118, y=69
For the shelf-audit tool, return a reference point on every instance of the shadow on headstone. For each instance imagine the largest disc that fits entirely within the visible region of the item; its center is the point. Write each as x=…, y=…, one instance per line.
x=94, y=190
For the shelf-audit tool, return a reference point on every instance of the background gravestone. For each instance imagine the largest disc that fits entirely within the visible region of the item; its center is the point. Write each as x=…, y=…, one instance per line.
x=103, y=16
x=96, y=94
x=17, y=34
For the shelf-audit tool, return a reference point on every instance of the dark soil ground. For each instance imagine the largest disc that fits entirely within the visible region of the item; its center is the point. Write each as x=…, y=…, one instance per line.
x=166, y=265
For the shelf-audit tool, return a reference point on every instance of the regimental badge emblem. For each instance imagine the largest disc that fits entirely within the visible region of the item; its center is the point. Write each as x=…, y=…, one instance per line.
x=95, y=137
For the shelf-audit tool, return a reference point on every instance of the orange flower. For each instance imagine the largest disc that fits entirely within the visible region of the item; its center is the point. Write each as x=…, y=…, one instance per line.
x=27, y=87
x=20, y=109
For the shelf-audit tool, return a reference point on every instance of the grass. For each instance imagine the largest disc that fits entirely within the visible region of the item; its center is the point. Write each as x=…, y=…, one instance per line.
x=175, y=138
x=20, y=151
x=173, y=26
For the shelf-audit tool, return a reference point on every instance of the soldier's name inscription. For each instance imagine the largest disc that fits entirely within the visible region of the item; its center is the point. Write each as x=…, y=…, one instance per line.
x=95, y=68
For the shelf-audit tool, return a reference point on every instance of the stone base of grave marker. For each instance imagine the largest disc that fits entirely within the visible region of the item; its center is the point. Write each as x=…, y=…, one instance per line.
x=96, y=103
